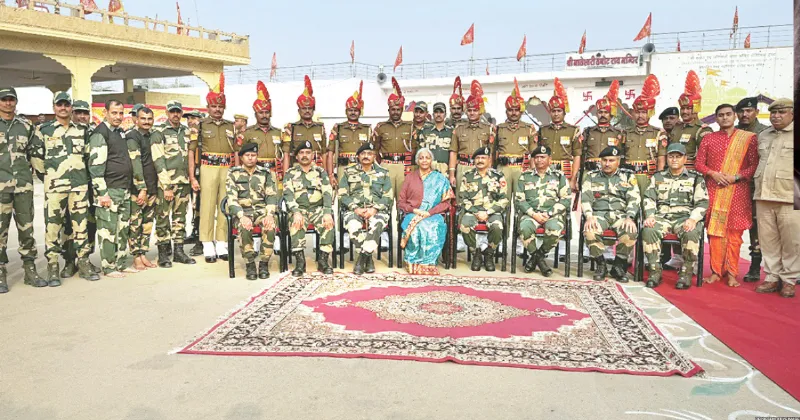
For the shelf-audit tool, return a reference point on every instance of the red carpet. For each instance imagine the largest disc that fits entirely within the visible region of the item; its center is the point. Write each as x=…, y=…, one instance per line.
x=762, y=329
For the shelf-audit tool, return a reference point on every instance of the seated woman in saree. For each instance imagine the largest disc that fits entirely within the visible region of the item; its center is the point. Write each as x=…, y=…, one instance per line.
x=425, y=200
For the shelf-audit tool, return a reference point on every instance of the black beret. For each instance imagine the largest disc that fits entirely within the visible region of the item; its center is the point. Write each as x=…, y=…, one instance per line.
x=747, y=103
x=669, y=111
x=542, y=150
x=365, y=146
x=610, y=151
x=304, y=145
x=481, y=151
x=248, y=147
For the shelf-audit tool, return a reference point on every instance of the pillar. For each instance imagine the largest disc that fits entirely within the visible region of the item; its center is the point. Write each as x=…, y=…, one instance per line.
x=210, y=77
x=81, y=69
x=127, y=85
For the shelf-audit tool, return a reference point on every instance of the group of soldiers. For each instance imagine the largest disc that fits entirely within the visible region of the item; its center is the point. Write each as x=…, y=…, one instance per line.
x=125, y=182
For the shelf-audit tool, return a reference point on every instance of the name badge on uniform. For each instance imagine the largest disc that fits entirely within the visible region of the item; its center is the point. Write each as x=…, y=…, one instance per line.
x=612, y=141
x=276, y=139
x=317, y=137
x=685, y=138
x=362, y=137
x=523, y=141
x=565, y=140
x=651, y=143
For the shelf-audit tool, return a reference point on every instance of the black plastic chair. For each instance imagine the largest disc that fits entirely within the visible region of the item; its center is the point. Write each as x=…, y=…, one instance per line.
x=233, y=233
x=566, y=234
x=481, y=228
x=388, y=229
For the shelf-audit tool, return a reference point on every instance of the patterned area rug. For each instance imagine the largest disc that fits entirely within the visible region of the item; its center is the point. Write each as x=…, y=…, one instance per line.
x=499, y=321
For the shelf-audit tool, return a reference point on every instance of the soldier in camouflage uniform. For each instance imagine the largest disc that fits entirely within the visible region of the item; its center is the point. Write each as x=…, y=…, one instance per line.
x=747, y=114
x=306, y=130
x=253, y=201
x=59, y=151
x=347, y=137
x=169, y=148
x=515, y=140
x=437, y=138
x=309, y=200
x=670, y=122
x=366, y=192
x=675, y=202
x=542, y=199
x=482, y=198
x=16, y=188
x=112, y=171
x=420, y=120
x=610, y=199
x=193, y=119
x=143, y=205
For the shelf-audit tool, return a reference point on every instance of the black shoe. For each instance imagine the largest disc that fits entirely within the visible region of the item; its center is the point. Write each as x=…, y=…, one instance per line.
x=85, y=270
x=369, y=264
x=95, y=269
x=263, y=269
x=477, y=260
x=530, y=265
x=754, y=274
x=223, y=257
x=358, y=268
x=543, y=266
x=197, y=249
x=179, y=256
x=163, y=258
x=322, y=263
x=654, y=278
x=32, y=278
x=600, y=269
x=685, y=276
x=3, y=282
x=53, y=279
x=251, y=271
x=211, y=260
x=299, y=264
x=69, y=269
x=619, y=271
x=169, y=249
x=488, y=259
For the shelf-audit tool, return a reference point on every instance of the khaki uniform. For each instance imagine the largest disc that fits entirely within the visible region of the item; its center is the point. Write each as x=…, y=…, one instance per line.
x=218, y=148
x=255, y=196
x=641, y=149
x=467, y=138
x=270, y=149
x=592, y=141
x=548, y=193
x=397, y=149
x=296, y=133
x=514, y=143
x=169, y=147
x=611, y=199
x=690, y=135
x=482, y=193
x=561, y=140
x=778, y=223
x=438, y=141
x=349, y=137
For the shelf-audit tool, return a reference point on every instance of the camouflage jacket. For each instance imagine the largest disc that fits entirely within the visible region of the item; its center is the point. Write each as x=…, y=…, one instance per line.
x=676, y=197
x=542, y=194
x=610, y=195
x=98, y=155
x=307, y=190
x=438, y=141
x=61, y=154
x=15, y=167
x=253, y=195
x=170, y=149
x=483, y=193
x=362, y=189
x=690, y=135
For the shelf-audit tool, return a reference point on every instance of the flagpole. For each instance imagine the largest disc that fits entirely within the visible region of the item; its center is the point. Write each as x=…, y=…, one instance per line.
x=472, y=58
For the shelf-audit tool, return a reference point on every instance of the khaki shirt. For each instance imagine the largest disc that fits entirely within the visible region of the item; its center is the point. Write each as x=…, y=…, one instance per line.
x=349, y=136
x=269, y=141
x=560, y=139
x=775, y=174
x=390, y=137
x=595, y=139
x=690, y=135
x=642, y=143
x=468, y=137
x=218, y=137
x=296, y=133
x=515, y=139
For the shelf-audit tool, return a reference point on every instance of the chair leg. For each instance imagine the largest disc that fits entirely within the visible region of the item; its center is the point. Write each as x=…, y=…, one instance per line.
x=701, y=260
x=391, y=245
x=514, y=240
x=231, y=245
x=580, y=249
x=567, y=251
x=341, y=240
x=316, y=251
x=555, y=257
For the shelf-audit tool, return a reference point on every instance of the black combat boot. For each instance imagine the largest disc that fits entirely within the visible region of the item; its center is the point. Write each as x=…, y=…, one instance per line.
x=477, y=260
x=53, y=278
x=95, y=269
x=543, y=266
x=85, y=270
x=358, y=268
x=322, y=263
x=488, y=259
x=754, y=274
x=654, y=279
x=69, y=267
x=299, y=264
x=179, y=256
x=600, y=269
x=32, y=278
x=251, y=271
x=163, y=258
x=685, y=275
x=169, y=249
x=263, y=269
x=619, y=270
x=369, y=264
x=3, y=282
x=197, y=249
x=530, y=265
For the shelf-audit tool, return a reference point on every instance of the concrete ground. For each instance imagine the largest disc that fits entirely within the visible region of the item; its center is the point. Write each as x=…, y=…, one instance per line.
x=102, y=350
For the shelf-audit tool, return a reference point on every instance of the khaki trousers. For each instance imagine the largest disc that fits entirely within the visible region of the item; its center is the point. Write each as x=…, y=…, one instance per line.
x=779, y=235
x=212, y=191
x=396, y=175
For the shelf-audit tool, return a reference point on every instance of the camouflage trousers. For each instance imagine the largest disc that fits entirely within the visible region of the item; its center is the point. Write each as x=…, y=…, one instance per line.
x=247, y=242
x=141, y=225
x=494, y=225
x=365, y=239
x=113, y=230
x=21, y=206
x=68, y=249
x=594, y=239
x=62, y=209
x=552, y=233
x=312, y=216
x=174, y=230
x=690, y=241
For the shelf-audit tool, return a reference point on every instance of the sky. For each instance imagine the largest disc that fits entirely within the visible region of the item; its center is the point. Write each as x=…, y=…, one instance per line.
x=302, y=32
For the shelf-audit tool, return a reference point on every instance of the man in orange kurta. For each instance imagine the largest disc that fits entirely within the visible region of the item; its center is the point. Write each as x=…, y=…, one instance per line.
x=728, y=159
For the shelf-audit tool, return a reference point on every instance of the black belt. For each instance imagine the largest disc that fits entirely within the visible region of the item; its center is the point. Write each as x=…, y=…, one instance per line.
x=394, y=157
x=465, y=159
x=266, y=164
x=346, y=160
x=508, y=160
x=216, y=160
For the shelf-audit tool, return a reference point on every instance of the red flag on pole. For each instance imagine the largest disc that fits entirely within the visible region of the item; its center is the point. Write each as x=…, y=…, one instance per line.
x=399, y=60
x=523, y=49
x=89, y=6
x=582, y=47
x=747, y=41
x=487, y=68
x=678, y=48
x=115, y=6
x=353, y=51
x=274, y=67
x=469, y=37
x=735, y=22
x=645, y=31
x=180, y=20
x=22, y=3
